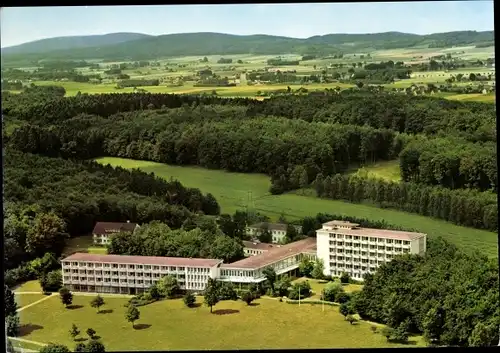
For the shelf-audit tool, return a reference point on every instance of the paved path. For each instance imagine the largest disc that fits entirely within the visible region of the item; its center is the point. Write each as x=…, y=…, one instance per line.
x=25, y=350
x=27, y=292
x=34, y=303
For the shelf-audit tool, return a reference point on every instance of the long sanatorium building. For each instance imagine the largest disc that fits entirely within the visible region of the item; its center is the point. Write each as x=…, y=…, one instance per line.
x=342, y=246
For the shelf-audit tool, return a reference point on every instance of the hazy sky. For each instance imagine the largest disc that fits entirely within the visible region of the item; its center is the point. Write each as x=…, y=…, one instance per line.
x=20, y=25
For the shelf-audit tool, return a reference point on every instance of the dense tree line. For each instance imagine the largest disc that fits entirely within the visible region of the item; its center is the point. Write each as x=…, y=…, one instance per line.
x=476, y=121
x=157, y=239
x=264, y=145
x=447, y=295
x=45, y=74
x=81, y=193
x=450, y=162
x=51, y=109
x=464, y=207
x=137, y=83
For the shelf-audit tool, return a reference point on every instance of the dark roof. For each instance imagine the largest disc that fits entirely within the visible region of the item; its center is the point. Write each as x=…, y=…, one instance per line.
x=275, y=254
x=113, y=227
x=259, y=246
x=270, y=226
x=143, y=260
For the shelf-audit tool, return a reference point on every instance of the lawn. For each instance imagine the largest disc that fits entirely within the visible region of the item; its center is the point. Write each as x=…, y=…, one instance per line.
x=25, y=345
x=317, y=286
x=26, y=299
x=169, y=325
x=387, y=170
x=82, y=243
x=30, y=286
x=236, y=191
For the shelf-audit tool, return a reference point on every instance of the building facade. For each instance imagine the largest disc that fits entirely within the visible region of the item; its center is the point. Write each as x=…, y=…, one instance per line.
x=104, y=230
x=346, y=247
x=134, y=274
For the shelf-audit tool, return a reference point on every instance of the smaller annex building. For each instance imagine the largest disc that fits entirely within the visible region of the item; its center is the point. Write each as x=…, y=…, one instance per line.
x=104, y=230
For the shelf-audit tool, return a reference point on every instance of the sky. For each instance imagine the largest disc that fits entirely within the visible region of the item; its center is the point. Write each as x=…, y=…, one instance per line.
x=25, y=24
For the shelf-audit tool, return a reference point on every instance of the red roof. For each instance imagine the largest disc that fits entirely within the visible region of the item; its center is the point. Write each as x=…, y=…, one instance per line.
x=113, y=227
x=143, y=260
x=275, y=254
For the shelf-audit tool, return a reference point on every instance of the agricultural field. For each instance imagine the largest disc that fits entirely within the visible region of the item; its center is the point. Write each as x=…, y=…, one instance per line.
x=236, y=191
x=178, y=75
x=233, y=325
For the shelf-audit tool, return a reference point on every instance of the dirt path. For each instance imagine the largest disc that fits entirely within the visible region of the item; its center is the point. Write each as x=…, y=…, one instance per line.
x=34, y=303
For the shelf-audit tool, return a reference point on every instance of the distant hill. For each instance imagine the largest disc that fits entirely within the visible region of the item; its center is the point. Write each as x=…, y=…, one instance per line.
x=73, y=42
x=143, y=47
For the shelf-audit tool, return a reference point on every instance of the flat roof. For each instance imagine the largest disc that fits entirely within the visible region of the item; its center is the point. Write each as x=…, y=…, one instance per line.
x=341, y=223
x=144, y=260
x=259, y=246
x=270, y=226
x=380, y=233
x=274, y=255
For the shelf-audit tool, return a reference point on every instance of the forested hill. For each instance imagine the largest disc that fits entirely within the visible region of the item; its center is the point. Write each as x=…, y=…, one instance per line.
x=72, y=42
x=185, y=44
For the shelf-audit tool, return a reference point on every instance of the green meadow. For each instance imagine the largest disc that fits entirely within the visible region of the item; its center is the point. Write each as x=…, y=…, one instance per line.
x=170, y=325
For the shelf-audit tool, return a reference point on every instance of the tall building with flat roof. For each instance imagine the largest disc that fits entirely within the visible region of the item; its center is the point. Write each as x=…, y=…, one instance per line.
x=347, y=247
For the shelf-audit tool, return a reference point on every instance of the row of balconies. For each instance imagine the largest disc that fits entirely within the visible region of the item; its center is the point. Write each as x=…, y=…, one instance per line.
x=366, y=242
x=142, y=268
x=372, y=247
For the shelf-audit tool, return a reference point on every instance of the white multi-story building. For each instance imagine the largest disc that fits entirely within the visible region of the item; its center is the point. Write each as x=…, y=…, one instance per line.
x=134, y=274
x=346, y=247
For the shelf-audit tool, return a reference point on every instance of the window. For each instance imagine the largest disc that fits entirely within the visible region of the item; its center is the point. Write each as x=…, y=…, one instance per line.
x=356, y=237
x=406, y=242
x=389, y=241
x=364, y=238
x=348, y=237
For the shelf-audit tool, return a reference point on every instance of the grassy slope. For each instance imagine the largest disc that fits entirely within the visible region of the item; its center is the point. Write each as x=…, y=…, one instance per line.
x=232, y=190
x=168, y=325
x=26, y=299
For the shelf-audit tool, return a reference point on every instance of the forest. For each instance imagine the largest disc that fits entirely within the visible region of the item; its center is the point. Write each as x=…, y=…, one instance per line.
x=73, y=195
x=447, y=295
x=444, y=147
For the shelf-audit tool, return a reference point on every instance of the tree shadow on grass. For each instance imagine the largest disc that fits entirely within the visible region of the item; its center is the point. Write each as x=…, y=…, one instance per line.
x=407, y=343
x=142, y=326
x=196, y=305
x=225, y=311
x=28, y=328
x=107, y=311
x=81, y=339
x=254, y=304
x=74, y=307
